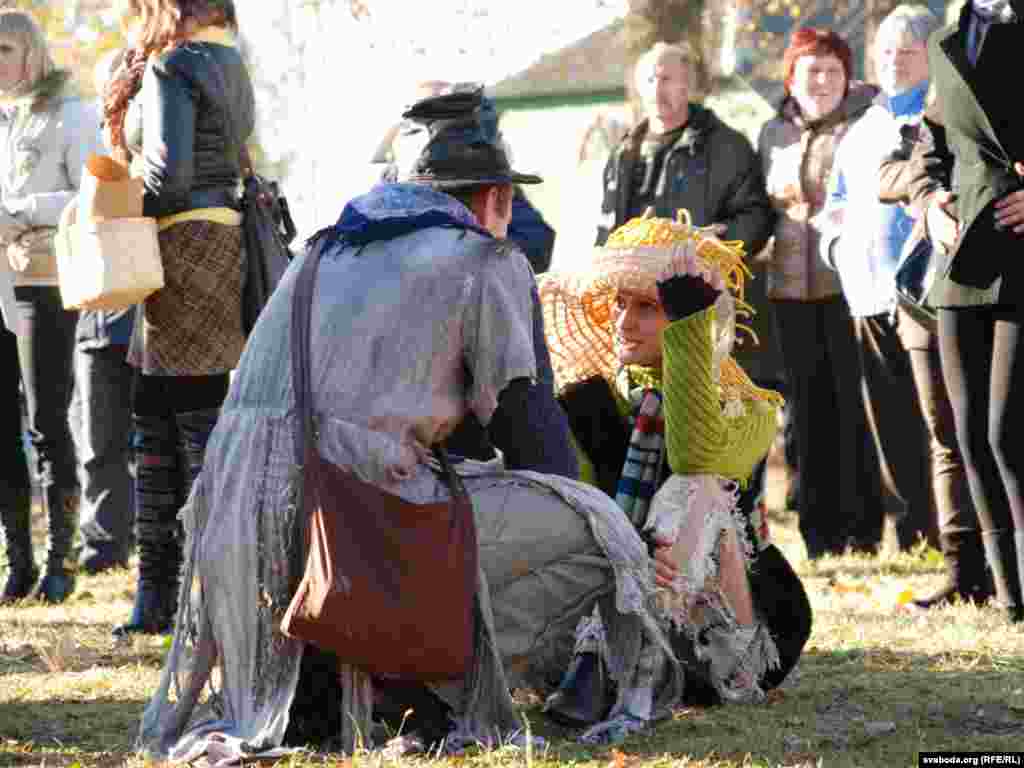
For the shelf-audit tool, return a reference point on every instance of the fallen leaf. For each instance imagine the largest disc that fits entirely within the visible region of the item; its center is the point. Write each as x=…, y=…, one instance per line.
x=775, y=696
x=934, y=558
x=904, y=597
x=622, y=760
x=845, y=589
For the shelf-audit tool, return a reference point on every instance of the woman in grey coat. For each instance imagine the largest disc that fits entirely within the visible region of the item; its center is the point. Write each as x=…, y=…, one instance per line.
x=46, y=132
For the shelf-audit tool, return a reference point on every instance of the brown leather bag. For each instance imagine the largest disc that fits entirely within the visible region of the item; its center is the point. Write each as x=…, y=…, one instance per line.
x=389, y=586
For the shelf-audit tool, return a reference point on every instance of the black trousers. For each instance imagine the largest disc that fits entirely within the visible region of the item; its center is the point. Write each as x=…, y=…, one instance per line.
x=14, y=476
x=840, y=497
x=898, y=428
x=41, y=361
x=101, y=423
x=983, y=365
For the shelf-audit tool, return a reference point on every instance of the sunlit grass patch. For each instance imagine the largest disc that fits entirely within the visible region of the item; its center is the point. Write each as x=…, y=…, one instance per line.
x=878, y=683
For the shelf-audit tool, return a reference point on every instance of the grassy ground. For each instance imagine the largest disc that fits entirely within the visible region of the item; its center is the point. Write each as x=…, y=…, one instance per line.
x=876, y=685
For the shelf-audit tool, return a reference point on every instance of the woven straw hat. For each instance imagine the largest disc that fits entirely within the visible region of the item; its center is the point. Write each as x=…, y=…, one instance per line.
x=578, y=306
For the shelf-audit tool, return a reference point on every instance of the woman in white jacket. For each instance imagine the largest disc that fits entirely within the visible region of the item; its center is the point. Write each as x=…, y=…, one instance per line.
x=46, y=132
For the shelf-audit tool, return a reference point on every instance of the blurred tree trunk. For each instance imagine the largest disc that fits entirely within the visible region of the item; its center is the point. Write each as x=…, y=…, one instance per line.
x=669, y=21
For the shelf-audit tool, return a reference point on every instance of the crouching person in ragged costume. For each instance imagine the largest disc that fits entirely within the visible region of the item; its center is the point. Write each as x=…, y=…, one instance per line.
x=421, y=315
x=641, y=346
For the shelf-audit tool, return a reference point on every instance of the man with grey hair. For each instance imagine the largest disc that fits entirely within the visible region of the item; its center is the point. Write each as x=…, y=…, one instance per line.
x=681, y=155
x=863, y=240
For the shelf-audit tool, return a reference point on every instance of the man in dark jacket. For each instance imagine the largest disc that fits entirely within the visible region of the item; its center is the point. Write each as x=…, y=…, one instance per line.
x=682, y=156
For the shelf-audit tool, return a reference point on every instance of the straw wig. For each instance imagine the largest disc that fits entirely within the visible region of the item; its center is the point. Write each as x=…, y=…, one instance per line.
x=578, y=306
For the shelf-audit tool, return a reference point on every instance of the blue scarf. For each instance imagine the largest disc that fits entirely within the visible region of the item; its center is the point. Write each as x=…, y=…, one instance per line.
x=909, y=103
x=388, y=211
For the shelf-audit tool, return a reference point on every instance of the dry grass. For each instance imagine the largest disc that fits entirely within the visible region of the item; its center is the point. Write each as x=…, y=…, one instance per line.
x=876, y=684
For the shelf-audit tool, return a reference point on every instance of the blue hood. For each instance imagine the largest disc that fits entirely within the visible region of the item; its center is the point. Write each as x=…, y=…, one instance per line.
x=388, y=211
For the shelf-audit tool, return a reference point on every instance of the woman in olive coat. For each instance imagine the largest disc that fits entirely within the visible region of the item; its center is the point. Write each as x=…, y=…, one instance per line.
x=980, y=294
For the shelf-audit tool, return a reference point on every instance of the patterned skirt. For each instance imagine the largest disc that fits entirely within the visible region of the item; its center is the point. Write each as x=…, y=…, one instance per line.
x=193, y=325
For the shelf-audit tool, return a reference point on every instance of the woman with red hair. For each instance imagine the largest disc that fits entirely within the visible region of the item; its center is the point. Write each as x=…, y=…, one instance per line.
x=181, y=106
x=840, y=486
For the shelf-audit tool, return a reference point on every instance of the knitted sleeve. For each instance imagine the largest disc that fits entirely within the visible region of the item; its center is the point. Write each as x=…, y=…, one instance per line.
x=699, y=436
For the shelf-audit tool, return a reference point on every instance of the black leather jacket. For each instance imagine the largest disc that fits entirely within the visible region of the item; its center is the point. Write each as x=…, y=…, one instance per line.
x=711, y=171
x=186, y=125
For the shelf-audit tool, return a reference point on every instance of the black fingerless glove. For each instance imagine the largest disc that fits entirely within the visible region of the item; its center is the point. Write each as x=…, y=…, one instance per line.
x=685, y=295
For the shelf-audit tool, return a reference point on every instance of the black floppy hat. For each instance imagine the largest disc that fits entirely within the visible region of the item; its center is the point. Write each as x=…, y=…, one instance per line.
x=463, y=150
x=782, y=604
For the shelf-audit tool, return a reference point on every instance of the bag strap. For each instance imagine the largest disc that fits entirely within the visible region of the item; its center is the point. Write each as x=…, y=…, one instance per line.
x=245, y=162
x=302, y=308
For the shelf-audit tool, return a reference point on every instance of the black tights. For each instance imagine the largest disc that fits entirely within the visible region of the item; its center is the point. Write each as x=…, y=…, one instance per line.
x=982, y=364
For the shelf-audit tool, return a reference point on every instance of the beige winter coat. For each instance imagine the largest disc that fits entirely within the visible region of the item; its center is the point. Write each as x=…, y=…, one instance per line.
x=44, y=141
x=797, y=159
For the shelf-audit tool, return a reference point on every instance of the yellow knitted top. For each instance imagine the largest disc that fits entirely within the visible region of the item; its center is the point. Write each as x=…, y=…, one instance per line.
x=700, y=437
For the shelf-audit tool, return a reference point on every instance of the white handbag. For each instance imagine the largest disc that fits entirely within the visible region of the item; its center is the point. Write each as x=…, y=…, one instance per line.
x=110, y=264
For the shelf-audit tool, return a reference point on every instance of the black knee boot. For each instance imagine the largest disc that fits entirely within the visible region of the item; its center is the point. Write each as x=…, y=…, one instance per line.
x=61, y=562
x=159, y=490
x=15, y=515
x=194, y=429
x=965, y=571
x=1001, y=552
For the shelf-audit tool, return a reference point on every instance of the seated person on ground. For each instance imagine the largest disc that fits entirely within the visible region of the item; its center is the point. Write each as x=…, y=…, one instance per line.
x=669, y=425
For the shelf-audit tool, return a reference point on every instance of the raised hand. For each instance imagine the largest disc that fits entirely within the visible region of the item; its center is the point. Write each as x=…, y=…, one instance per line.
x=686, y=285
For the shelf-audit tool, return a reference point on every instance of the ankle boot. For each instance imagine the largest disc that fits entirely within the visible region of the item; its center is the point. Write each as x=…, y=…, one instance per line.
x=22, y=574
x=61, y=562
x=1001, y=552
x=966, y=578
x=581, y=699
x=156, y=592
x=159, y=493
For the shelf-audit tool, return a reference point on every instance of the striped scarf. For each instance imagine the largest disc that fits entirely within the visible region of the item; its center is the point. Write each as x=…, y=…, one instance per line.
x=645, y=456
